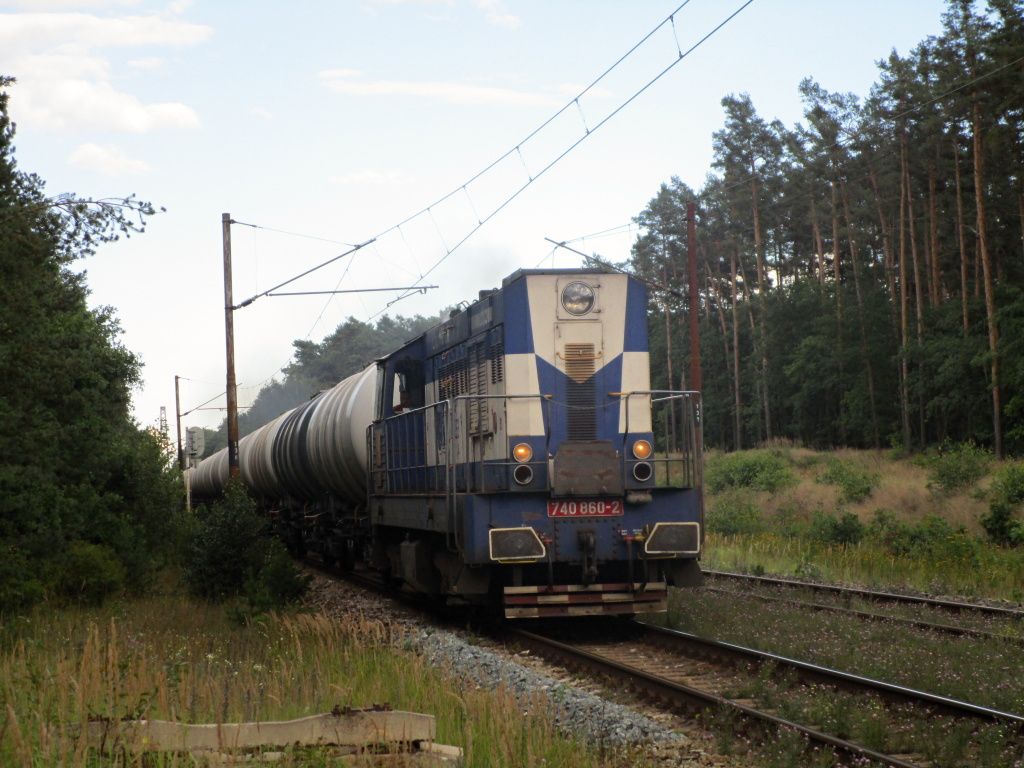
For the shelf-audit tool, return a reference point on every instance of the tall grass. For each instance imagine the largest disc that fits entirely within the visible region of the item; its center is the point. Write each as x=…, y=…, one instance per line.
x=185, y=661
x=986, y=571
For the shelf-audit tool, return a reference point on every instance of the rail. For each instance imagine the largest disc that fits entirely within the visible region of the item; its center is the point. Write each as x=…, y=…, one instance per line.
x=689, y=697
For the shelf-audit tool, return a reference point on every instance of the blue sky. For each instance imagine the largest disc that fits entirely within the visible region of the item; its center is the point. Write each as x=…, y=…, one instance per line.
x=339, y=119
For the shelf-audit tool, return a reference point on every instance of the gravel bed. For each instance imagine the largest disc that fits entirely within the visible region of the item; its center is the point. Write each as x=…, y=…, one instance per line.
x=576, y=712
x=580, y=713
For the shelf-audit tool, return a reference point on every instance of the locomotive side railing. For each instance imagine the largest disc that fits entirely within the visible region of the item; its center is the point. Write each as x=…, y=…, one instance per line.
x=438, y=449
x=403, y=458
x=486, y=474
x=675, y=419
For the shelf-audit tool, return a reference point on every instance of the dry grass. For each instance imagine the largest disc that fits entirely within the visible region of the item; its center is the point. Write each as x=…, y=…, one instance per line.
x=902, y=488
x=782, y=540
x=174, y=659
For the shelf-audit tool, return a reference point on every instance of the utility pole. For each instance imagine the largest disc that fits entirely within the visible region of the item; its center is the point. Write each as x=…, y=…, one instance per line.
x=177, y=421
x=229, y=343
x=696, y=381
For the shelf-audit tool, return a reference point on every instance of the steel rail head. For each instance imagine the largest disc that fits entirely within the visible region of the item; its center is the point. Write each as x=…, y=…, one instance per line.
x=836, y=677
x=691, y=698
x=952, y=605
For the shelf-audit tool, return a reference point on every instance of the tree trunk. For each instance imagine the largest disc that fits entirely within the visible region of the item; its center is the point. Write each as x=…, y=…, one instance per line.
x=762, y=386
x=736, y=354
x=876, y=438
x=720, y=312
x=961, y=236
x=918, y=291
x=837, y=276
x=889, y=258
x=933, y=241
x=1020, y=211
x=986, y=268
x=668, y=368
x=904, y=320
x=762, y=288
x=819, y=245
x=758, y=239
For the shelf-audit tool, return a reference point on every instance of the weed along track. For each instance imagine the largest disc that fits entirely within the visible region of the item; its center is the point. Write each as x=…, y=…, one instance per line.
x=928, y=626
x=755, y=703
x=857, y=718
x=952, y=606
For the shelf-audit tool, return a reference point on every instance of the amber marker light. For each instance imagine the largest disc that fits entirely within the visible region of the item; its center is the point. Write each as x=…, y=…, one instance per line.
x=522, y=452
x=641, y=449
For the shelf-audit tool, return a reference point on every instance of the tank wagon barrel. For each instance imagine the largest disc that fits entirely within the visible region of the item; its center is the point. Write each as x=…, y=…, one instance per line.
x=305, y=453
x=513, y=454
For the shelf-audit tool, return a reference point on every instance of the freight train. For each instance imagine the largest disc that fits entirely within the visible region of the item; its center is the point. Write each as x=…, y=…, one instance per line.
x=513, y=456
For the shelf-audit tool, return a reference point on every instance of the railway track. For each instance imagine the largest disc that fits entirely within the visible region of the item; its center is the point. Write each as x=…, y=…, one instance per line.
x=929, y=626
x=694, y=681
x=686, y=672
x=954, y=606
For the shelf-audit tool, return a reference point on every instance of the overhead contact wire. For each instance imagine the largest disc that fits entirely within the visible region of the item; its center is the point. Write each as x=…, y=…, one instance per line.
x=575, y=144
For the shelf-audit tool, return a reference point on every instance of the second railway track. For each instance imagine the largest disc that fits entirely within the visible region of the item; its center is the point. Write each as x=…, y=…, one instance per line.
x=686, y=671
x=873, y=595
x=682, y=671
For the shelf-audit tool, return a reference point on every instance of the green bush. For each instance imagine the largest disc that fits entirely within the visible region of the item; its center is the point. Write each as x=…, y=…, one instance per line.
x=953, y=468
x=276, y=581
x=19, y=587
x=734, y=512
x=846, y=529
x=89, y=573
x=758, y=470
x=1002, y=523
x=221, y=544
x=855, y=485
x=932, y=538
x=230, y=554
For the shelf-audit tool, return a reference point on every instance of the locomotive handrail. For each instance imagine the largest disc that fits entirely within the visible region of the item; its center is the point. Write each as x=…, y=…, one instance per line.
x=542, y=397
x=404, y=421
x=443, y=475
x=690, y=430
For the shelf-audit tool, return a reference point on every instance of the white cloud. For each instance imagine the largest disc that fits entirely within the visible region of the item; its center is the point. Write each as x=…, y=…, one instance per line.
x=64, y=84
x=64, y=5
x=146, y=63
x=346, y=81
x=105, y=159
x=413, y=2
x=495, y=13
x=262, y=113
x=62, y=104
x=370, y=176
x=30, y=32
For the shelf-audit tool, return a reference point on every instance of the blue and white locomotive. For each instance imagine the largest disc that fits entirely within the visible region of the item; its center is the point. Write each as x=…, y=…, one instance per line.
x=512, y=455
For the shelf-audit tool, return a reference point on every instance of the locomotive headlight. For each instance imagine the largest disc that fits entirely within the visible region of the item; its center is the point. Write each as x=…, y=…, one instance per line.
x=641, y=449
x=578, y=298
x=522, y=452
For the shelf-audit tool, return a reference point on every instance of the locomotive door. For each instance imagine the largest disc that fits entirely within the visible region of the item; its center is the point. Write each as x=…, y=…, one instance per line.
x=579, y=351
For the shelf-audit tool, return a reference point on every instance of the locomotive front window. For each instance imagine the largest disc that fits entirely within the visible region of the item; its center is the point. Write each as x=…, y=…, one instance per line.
x=399, y=400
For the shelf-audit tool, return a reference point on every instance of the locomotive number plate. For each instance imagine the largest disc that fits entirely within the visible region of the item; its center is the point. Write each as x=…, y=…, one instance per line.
x=585, y=508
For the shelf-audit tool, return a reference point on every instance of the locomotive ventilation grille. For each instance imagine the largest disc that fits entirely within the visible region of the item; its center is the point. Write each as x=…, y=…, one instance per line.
x=582, y=415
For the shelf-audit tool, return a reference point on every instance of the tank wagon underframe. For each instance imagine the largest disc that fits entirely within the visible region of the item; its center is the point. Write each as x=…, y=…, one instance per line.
x=514, y=455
